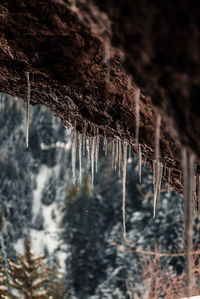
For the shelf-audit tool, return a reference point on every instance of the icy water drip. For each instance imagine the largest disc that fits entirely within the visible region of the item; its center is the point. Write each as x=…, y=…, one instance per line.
x=158, y=167
x=97, y=141
x=140, y=164
x=92, y=151
x=188, y=186
x=74, y=145
x=124, y=163
x=80, y=142
x=116, y=154
x=28, y=109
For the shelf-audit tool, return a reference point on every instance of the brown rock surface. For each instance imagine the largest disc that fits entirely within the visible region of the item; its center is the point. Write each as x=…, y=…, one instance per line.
x=76, y=73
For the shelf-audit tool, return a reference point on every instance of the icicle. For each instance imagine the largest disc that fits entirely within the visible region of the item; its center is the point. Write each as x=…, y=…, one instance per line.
x=140, y=164
x=123, y=163
x=137, y=117
x=154, y=174
x=92, y=158
x=83, y=144
x=169, y=178
x=159, y=182
x=158, y=178
x=129, y=151
x=88, y=150
x=74, y=145
x=157, y=137
x=27, y=108
x=80, y=157
x=188, y=183
x=113, y=153
x=105, y=145
x=157, y=172
x=117, y=153
x=97, y=140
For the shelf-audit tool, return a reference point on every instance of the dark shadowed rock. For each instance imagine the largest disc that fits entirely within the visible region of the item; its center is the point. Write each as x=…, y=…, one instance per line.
x=79, y=58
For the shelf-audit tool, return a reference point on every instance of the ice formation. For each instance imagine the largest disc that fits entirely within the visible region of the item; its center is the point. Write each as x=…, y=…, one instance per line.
x=124, y=163
x=74, y=145
x=80, y=142
x=188, y=189
x=27, y=108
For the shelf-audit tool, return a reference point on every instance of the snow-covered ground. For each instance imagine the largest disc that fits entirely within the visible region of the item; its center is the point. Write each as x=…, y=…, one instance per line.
x=48, y=237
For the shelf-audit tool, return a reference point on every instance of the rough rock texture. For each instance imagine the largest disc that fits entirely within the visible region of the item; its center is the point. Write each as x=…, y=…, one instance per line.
x=83, y=58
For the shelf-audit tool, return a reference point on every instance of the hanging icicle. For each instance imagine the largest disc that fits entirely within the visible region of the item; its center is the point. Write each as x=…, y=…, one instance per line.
x=158, y=165
x=27, y=108
x=88, y=150
x=154, y=174
x=140, y=164
x=157, y=184
x=83, y=144
x=137, y=117
x=97, y=140
x=74, y=145
x=113, y=153
x=105, y=145
x=157, y=137
x=120, y=155
x=92, y=158
x=123, y=163
x=188, y=186
x=129, y=152
x=80, y=142
x=116, y=154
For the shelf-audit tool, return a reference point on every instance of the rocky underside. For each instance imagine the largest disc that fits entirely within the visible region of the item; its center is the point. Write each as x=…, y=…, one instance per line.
x=85, y=61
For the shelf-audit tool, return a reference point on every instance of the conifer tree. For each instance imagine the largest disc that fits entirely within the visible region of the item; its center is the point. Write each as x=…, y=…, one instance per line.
x=56, y=284
x=3, y=281
x=29, y=276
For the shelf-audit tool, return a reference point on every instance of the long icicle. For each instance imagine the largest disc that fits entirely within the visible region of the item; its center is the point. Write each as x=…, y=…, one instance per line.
x=123, y=163
x=92, y=157
x=88, y=150
x=117, y=153
x=188, y=183
x=97, y=140
x=137, y=117
x=80, y=142
x=27, y=108
x=113, y=153
x=105, y=145
x=74, y=145
x=120, y=155
x=140, y=164
x=158, y=165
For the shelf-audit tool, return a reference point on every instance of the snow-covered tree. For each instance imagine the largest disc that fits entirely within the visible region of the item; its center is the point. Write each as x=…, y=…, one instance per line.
x=28, y=276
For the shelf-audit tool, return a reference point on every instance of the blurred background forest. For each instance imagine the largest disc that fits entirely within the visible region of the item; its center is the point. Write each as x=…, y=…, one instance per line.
x=81, y=227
